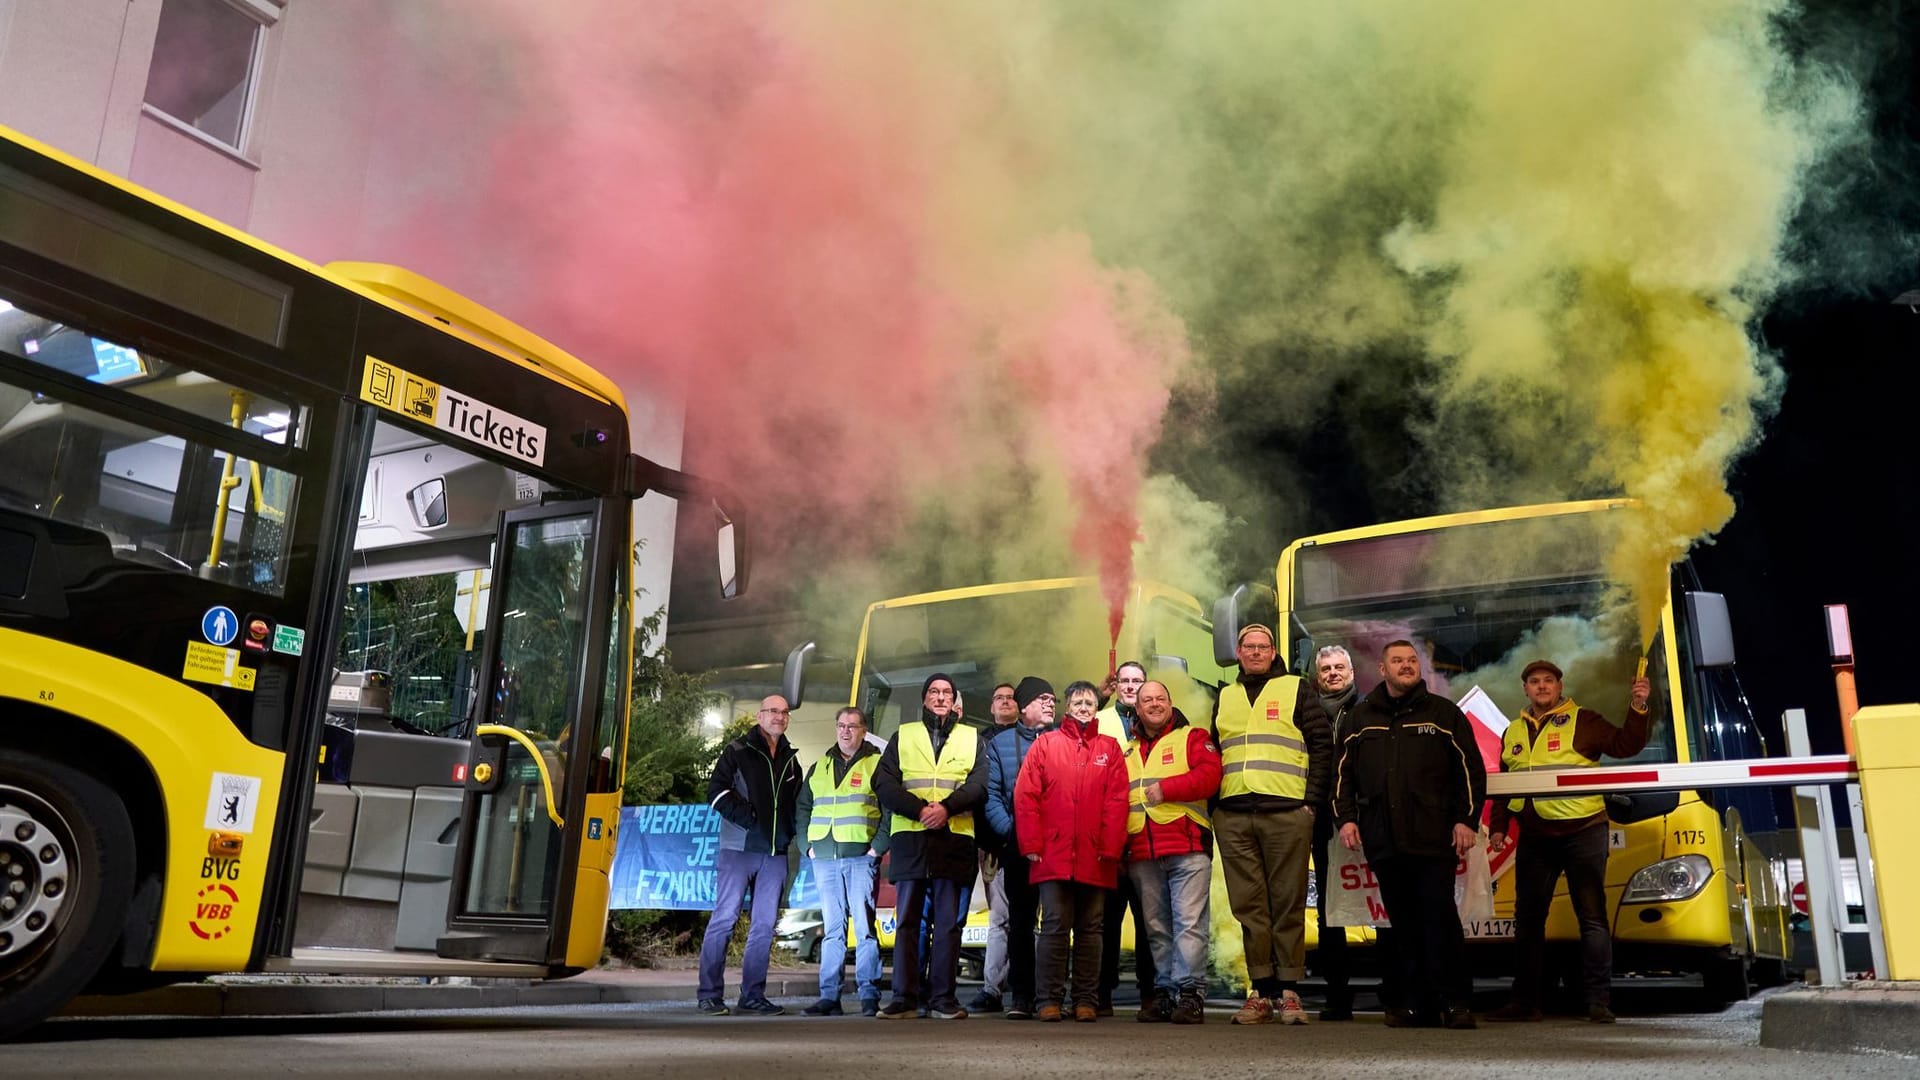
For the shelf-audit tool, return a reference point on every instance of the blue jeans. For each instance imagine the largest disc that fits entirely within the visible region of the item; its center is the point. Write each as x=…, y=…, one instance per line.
x=1174, y=900
x=736, y=871
x=846, y=889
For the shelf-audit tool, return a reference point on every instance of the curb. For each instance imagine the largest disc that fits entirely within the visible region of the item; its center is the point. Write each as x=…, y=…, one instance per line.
x=211, y=1000
x=1874, y=1018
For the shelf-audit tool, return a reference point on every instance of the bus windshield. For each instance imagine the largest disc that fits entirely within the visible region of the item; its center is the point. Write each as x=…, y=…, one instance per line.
x=1481, y=600
x=1055, y=629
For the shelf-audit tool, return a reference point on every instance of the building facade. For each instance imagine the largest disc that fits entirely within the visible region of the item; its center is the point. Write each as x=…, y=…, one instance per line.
x=302, y=122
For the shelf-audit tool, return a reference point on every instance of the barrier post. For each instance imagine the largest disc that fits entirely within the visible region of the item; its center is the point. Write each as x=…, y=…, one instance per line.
x=1888, y=742
x=1813, y=810
x=1869, y=892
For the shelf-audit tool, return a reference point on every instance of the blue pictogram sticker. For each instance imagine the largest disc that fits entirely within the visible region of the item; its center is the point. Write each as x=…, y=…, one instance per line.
x=220, y=625
x=593, y=828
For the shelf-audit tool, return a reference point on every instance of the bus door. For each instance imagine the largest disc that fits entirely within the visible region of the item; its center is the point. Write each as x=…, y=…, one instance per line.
x=538, y=726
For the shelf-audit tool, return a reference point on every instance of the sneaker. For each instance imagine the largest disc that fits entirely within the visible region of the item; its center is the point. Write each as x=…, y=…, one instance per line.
x=984, y=1002
x=1337, y=1011
x=1289, y=1010
x=824, y=1007
x=1154, y=1010
x=760, y=1007
x=1515, y=1013
x=713, y=1007
x=948, y=1012
x=1103, y=1008
x=1049, y=1014
x=1401, y=1018
x=900, y=1010
x=1087, y=1014
x=1599, y=1014
x=1020, y=1010
x=1257, y=1010
x=1459, y=1019
x=1191, y=1010
x=869, y=1006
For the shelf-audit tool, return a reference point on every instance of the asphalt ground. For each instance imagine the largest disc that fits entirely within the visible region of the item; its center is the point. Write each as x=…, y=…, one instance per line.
x=1665, y=1032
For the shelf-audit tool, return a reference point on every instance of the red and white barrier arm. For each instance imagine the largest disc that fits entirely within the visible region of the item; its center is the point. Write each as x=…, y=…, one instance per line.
x=1607, y=779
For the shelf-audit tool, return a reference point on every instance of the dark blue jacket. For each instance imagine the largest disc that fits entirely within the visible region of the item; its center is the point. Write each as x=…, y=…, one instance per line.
x=1006, y=752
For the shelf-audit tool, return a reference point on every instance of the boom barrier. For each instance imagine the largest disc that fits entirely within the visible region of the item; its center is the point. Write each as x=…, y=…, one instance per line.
x=1623, y=779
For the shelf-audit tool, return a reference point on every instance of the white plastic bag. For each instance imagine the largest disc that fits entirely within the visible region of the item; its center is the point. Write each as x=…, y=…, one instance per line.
x=1353, y=896
x=1473, y=882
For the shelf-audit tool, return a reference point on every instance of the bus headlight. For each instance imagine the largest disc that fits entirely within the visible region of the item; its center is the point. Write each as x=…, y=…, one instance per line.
x=1668, y=879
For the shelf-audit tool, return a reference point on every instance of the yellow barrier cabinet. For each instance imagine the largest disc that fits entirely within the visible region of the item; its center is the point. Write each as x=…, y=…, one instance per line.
x=1887, y=740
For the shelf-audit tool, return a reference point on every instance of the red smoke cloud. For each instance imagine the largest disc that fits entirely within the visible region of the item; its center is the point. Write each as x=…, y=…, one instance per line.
x=812, y=246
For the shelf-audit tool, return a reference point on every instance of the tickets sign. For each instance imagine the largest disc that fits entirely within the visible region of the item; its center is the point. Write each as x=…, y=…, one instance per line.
x=397, y=390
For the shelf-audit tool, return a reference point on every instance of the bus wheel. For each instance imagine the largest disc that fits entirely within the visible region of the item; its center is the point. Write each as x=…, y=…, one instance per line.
x=66, y=872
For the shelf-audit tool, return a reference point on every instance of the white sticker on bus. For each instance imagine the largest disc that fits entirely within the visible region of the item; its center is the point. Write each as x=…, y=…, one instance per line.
x=428, y=402
x=232, y=801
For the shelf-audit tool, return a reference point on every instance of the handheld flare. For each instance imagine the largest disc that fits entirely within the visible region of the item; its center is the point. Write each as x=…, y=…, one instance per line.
x=1640, y=669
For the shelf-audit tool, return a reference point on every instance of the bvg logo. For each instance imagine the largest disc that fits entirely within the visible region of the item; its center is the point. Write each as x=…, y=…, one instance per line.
x=225, y=869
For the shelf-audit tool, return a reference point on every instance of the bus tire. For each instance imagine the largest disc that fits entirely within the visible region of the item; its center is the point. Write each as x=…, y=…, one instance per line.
x=71, y=838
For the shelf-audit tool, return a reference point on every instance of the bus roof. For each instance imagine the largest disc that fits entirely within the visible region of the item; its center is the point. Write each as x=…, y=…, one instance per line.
x=408, y=293
x=1445, y=521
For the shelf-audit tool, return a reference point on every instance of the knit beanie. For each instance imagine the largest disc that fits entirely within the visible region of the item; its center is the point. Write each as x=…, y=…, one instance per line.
x=1030, y=688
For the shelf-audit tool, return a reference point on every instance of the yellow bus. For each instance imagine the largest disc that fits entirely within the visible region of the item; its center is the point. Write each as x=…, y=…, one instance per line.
x=1691, y=884
x=1056, y=628
x=315, y=614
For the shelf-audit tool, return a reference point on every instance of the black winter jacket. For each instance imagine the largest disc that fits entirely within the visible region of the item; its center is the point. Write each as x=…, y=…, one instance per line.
x=755, y=794
x=932, y=853
x=1410, y=771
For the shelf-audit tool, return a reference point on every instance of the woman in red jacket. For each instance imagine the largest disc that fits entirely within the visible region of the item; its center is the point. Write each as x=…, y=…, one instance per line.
x=1070, y=813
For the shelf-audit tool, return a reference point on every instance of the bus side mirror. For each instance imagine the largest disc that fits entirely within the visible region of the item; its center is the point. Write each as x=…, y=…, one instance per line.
x=1711, y=628
x=730, y=541
x=730, y=535
x=1226, y=629
x=793, y=678
x=1247, y=603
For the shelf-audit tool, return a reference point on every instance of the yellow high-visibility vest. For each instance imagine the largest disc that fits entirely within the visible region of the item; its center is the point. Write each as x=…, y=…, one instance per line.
x=848, y=811
x=1520, y=751
x=935, y=780
x=1166, y=758
x=1261, y=749
x=1111, y=725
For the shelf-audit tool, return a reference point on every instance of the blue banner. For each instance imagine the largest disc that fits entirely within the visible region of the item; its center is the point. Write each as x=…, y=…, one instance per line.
x=665, y=861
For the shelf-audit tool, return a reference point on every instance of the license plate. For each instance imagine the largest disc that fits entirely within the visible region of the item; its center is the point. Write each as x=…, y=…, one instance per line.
x=1487, y=928
x=973, y=935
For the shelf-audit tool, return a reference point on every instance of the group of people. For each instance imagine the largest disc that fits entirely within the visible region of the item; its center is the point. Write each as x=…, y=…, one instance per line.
x=1074, y=820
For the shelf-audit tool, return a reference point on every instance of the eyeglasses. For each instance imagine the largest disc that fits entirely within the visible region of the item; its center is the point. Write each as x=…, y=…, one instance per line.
x=775, y=712
x=850, y=727
x=1256, y=647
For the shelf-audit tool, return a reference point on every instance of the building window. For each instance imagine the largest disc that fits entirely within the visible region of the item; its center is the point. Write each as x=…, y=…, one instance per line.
x=206, y=61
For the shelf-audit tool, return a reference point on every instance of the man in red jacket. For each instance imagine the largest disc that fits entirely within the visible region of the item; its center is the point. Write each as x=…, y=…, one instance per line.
x=1070, y=814
x=1174, y=770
